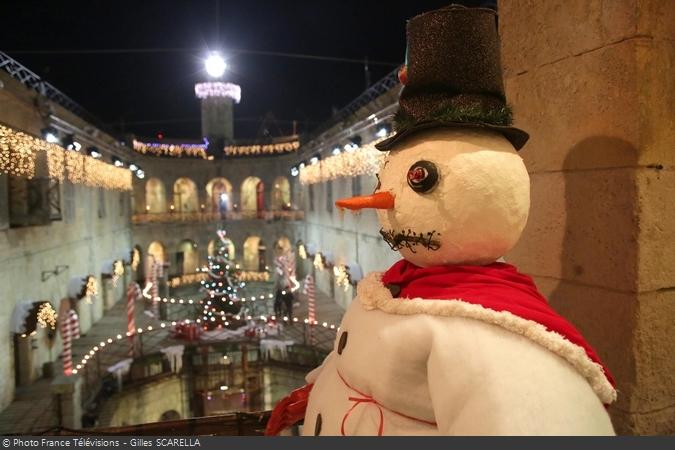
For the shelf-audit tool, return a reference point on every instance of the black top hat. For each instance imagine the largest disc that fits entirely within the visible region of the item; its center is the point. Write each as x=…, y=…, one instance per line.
x=452, y=77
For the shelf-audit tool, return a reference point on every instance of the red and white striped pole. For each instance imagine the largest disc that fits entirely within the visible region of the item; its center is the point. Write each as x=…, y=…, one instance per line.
x=310, y=292
x=67, y=353
x=133, y=293
x=70, y=329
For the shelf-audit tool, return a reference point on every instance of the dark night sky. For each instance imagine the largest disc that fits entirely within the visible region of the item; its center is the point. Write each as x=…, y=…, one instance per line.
x=154, y=92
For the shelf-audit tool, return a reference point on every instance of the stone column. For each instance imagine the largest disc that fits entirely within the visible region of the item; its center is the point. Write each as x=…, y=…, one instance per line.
x=592, y=83
x=68, y=395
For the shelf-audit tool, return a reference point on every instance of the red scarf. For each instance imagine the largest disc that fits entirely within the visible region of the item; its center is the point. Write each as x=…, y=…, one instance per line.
x=497, y=286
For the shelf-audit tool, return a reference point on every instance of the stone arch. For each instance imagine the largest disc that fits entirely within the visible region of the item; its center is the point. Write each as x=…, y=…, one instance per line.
x=281, y=194
x=157, y=249
x=187, y=257
x=155, y=196
x=185, y=196
x=219, y=195
x=255, y=254
x=252, y=194
x=211, y=249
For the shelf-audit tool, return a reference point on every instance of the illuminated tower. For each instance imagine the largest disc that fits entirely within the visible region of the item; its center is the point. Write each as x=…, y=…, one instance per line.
x=218, y=99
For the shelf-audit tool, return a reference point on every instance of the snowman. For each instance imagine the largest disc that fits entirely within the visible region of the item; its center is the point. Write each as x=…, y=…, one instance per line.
x=449, y=341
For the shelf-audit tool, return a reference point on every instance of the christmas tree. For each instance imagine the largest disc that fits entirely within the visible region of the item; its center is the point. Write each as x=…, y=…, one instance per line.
x=220, y=304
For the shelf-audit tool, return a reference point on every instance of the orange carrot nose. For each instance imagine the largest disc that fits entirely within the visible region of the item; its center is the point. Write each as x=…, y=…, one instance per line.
x=380, y=200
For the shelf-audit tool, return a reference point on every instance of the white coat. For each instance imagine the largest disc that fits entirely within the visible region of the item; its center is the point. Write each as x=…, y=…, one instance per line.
x=446, y=367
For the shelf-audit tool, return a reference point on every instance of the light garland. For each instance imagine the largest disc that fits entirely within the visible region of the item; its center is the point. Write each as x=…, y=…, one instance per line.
x=174, y=150
x=302, y=251
x=17, y=152
x=218, y=89
x=319, y=261
x=251, y=275
x=75, y=167
x=46, y=316
x=342, y=276
x=56, y=162
x=91, y=288
x=190, y=278
x=366, y=160
x=93, y=351
x=262, y=149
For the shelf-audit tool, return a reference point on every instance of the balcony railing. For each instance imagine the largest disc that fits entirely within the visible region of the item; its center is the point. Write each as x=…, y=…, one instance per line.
x=191, y=217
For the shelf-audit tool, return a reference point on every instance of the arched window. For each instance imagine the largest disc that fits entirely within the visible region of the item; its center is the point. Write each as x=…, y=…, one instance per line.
x=169, y=415
x=187, y=257
x=281, y=194
x=255, y=254
x=155, y=196
x=185, y=198
x=219, y=195
x=252, y=194
x=156, y=252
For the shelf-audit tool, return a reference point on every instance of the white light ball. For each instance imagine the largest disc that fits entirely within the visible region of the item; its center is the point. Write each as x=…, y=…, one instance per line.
x=215, y=65
x=478, y=208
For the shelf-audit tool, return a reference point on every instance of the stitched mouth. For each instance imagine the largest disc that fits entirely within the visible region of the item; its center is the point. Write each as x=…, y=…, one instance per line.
x=410, y=239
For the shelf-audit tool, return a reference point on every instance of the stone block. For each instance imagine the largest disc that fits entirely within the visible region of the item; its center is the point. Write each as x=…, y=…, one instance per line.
x=655, y=61
x=656, y=18
x=655, y=348
x=535, y=33
x=582, y=228
x=581, y=112
x=656, y=203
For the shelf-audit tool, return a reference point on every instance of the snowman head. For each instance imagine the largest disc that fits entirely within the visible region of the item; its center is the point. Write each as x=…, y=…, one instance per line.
x=451, y=196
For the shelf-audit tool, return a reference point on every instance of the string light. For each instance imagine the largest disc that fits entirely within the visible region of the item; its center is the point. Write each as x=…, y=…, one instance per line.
x=262, y=149
x=341, y=276
x=46, y=316
x=319, y=262
x=135, y=259
x=175, y=150
x=366, y=160
x=218, y=89
x=17, y=152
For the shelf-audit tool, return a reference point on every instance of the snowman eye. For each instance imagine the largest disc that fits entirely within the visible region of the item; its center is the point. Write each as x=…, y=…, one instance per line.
x=422, y=176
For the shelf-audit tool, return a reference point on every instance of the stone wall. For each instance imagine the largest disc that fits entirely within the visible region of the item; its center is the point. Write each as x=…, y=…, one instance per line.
x=592, y=83
x=146, y=403
x=94, y=229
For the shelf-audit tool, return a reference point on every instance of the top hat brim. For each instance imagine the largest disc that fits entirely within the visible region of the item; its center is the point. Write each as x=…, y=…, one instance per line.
x=515, y=136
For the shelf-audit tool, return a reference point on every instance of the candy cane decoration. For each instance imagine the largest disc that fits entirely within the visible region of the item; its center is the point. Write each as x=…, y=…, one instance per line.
x=133, y=294
x=311, y=305
x=70, y=329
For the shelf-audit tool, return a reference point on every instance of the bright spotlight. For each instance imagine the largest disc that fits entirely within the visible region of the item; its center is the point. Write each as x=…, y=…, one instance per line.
x=49, y=134
x=215, y=65
x=133, y=167
x=294, y=171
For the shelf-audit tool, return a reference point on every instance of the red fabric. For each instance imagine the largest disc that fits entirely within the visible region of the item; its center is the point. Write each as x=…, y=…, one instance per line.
x=289, y=411
x=498, y=286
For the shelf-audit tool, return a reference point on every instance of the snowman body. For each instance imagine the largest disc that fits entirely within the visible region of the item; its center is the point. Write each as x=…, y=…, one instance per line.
x=453, y=366
x=432, y=367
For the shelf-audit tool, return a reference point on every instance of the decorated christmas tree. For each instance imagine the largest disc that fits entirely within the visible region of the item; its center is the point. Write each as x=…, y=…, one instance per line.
x=220, y=304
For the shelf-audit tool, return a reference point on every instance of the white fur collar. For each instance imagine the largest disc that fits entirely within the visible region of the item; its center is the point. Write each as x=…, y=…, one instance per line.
x=373, y=295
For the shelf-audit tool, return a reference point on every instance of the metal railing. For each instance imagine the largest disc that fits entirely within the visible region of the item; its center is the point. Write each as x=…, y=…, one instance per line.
x=192, y=217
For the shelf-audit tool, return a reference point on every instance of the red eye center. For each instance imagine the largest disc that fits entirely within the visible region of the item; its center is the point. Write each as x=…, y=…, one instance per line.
x=417, y=174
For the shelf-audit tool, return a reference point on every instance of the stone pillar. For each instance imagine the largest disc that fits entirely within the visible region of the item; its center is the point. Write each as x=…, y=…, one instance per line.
x=592, y=83
x=68, y=396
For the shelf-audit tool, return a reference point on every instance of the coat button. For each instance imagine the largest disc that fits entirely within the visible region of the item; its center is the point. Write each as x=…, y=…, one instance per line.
x=343, y=342
x=317, y=425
